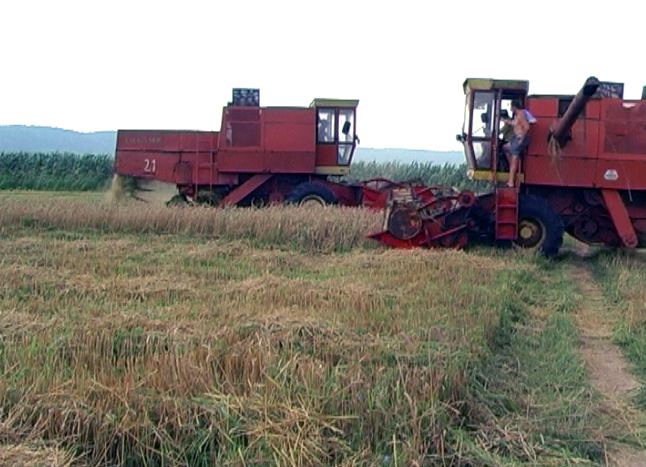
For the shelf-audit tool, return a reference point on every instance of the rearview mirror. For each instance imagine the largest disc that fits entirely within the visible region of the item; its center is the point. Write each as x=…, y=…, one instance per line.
x=484, y=118
x=346, y=128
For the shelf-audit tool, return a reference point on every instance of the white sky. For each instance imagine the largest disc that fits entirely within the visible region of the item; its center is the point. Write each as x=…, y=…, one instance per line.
x=104, y=65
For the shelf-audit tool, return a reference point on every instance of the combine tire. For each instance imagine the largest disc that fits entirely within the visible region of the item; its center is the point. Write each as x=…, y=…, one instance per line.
x=177, y=200
x=539, y=227
x=311, y=194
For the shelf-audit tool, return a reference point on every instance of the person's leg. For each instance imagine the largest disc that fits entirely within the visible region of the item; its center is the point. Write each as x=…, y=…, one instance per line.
x=507, y=152
x=513, y=168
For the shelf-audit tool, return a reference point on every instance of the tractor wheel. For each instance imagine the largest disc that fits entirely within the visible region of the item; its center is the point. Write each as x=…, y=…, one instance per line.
x=539, y=227
x=311, y=194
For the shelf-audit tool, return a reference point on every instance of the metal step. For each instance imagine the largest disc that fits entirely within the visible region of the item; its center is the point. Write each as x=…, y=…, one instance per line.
x=506, y=213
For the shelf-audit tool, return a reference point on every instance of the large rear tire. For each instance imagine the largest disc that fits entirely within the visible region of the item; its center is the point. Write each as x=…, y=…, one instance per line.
x=177, y=201
x=539, y=227
x=311, y=194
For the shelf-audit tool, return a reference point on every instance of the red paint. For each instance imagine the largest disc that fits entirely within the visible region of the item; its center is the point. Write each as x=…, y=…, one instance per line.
x=594, y=181
x=252, y=141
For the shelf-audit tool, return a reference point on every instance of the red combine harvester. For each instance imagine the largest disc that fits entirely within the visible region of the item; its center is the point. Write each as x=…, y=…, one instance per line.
x=261, y=155
x=584, y=172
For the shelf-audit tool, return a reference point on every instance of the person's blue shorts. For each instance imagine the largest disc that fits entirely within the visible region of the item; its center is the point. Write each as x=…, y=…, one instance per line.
x=518, y=144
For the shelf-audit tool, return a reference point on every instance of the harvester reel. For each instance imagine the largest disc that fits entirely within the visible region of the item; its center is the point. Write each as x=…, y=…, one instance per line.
x=404, y=223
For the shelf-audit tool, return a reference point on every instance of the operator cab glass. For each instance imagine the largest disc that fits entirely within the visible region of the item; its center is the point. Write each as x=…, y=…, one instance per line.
x=482, y=129
x=346, y=136
x=484, y=132
x=326, y=126
x=336, y=136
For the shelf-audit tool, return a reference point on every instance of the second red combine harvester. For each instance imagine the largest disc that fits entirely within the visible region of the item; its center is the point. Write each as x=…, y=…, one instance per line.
x=584, y=170
x=261, y=155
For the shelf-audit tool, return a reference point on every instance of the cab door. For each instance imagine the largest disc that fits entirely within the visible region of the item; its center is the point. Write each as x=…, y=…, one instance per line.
x=480, y=130
x=336, y=139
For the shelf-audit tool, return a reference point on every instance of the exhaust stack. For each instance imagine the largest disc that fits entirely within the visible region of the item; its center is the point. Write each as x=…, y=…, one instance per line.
x=561, y=132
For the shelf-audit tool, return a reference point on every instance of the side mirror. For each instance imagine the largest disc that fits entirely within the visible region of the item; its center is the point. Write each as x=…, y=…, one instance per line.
x=459, y=138
x=346, y=128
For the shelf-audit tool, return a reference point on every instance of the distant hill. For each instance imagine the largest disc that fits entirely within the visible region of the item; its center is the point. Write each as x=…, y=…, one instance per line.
x=16, y=138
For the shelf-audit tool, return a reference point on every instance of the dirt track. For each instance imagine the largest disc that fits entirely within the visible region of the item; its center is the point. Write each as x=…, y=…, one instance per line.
x=608, y=370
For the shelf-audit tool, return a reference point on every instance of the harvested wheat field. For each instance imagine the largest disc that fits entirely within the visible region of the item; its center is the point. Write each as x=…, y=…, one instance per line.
x=148, y=336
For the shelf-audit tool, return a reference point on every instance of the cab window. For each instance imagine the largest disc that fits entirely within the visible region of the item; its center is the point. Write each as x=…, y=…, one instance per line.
x=346, y=125
x=482, y=129
x=483, y=115
x=326, y=128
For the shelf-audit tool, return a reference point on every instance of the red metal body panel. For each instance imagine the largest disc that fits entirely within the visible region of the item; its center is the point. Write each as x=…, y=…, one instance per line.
x=567, y=171
x=607, y=148
x=346, y=195
x=622, y=145
x=543, y=108
x=593, y=110
x=267, y=140
x=245, y=189
x=621, y=174
x=171, y=156
x=325, y=155
x=620, y=217
x=158, y=140
x=245, y=161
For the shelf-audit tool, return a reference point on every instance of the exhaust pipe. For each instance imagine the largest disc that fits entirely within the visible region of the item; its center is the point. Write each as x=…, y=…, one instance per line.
x=561, y=132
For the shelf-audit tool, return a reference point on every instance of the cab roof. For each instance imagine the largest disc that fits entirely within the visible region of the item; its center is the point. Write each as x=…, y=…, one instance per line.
x=318, y=102
x=486, y=84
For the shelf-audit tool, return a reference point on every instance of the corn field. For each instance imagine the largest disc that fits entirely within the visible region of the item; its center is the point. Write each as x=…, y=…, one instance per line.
x=429, y=173
x=91, y=172
x=55, y=171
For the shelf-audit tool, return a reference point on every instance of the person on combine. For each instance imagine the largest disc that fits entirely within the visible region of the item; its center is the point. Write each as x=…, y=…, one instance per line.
x=519, y=140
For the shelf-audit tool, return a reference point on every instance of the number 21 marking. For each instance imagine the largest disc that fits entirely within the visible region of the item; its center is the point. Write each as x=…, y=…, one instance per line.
x=150, y=165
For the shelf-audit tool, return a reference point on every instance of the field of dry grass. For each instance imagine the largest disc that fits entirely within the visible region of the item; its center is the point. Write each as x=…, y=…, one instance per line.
x=132, y=335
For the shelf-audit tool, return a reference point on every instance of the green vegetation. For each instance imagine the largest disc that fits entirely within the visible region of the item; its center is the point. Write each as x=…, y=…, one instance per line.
x=429, y=173
x=623, y=276
x=193, y=336
x=73, y=172
x=54, y=171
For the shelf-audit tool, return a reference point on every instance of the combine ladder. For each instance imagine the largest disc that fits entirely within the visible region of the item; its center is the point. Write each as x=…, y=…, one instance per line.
x=506, y=213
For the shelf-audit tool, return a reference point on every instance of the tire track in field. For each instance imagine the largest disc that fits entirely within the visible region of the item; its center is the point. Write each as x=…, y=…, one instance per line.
x=607, y=369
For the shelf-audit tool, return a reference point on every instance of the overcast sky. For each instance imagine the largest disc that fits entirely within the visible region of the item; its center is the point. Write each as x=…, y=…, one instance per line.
x=105, y=65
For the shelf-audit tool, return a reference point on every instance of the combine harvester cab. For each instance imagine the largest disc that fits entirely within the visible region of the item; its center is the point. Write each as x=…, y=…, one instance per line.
x=583, y=172
x=260, y=155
